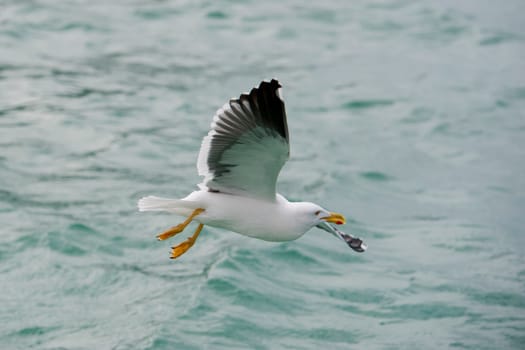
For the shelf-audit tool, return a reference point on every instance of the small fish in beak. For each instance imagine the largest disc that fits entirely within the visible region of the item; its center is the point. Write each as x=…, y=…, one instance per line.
x=353, y=242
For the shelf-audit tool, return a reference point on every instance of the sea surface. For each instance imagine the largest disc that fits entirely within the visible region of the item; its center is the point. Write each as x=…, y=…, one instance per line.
x=406, y=116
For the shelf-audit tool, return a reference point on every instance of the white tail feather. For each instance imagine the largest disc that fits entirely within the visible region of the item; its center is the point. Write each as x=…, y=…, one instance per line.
x=152, y=203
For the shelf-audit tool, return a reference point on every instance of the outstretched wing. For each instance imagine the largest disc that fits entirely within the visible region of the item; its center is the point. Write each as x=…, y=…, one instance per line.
x=247, y=145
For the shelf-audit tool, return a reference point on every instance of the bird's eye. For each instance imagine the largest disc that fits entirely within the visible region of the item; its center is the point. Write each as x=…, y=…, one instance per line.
x=317, y=212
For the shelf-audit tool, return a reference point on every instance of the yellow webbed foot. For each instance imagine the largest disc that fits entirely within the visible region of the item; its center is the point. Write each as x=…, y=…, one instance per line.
x=183, y=247
x=180, y=227
x=171, y=232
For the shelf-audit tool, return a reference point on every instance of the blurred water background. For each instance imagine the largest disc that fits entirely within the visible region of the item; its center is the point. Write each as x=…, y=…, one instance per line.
x=407, y=116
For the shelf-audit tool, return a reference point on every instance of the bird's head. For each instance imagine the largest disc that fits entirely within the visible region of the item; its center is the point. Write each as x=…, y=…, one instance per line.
x=313, y=215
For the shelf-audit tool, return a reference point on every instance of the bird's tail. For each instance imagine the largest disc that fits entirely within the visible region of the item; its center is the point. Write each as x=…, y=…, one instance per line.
x=179, y=206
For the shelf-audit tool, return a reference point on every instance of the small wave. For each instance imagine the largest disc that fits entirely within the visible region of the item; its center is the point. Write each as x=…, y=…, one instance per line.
x=375, y=176
x=363, y=104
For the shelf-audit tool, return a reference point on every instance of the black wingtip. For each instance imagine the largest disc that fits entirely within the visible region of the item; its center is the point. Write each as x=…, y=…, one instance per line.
x=267, y=105
x=273, y=83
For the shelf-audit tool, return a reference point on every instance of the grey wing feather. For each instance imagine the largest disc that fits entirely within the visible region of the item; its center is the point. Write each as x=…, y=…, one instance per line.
x=247, y=145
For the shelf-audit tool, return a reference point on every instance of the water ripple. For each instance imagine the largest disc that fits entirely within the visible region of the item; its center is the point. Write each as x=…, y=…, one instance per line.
x=403, y=115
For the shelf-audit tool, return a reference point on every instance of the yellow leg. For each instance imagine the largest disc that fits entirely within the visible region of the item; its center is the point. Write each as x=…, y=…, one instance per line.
x=182, y=248
x=180, y=227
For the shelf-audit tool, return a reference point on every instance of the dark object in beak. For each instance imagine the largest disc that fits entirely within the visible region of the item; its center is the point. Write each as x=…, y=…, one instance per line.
x=353, y=242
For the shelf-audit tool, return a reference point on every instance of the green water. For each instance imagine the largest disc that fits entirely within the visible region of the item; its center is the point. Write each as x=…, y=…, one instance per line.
x=406, y=116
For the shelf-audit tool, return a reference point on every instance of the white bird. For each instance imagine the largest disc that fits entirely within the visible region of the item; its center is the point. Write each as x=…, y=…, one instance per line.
x=240, y=159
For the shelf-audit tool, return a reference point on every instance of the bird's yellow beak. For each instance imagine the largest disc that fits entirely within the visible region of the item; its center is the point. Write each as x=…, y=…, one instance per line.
x=336, y=218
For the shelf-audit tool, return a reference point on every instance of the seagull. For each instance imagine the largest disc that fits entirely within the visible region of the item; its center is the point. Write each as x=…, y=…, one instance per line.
x=240, y=160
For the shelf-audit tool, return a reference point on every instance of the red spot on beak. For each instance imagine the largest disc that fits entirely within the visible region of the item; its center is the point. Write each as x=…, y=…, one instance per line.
x=339, y=222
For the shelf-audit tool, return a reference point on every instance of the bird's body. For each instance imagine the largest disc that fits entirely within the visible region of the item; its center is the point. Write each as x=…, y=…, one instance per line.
x=240, y=159
x=267, y=220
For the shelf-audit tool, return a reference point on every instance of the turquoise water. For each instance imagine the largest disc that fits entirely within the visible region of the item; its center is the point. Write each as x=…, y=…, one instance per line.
x=406, y=116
